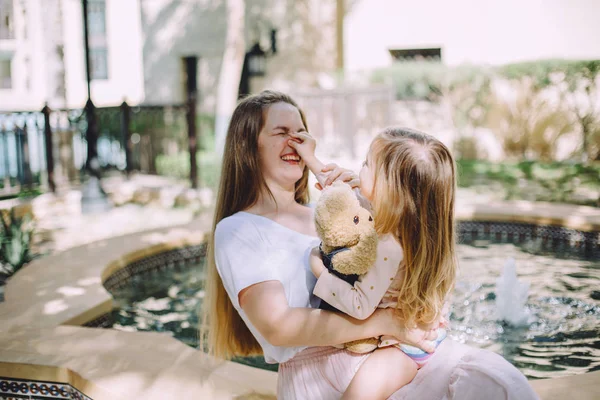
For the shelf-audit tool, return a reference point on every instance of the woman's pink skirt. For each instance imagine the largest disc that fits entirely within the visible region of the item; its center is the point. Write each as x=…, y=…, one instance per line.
x=456, y=371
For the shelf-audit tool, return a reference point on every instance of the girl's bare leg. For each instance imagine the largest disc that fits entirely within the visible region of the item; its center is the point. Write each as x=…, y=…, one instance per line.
x=383, y=373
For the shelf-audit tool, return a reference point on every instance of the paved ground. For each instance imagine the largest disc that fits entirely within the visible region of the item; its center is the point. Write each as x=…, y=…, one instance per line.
x=64, y=288
x=139, y=204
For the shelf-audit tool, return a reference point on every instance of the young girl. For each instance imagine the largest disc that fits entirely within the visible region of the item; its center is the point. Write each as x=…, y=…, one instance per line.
x=409, y=179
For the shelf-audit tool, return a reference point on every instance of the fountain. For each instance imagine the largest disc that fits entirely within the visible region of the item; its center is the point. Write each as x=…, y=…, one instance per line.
x=511, y=296
x=552, y=333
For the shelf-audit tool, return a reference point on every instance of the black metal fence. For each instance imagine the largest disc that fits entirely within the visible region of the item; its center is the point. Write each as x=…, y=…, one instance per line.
x=40, y=150
x=22, y=161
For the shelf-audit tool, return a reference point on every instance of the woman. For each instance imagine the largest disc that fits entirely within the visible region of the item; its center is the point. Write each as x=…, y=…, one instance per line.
x=259, y=283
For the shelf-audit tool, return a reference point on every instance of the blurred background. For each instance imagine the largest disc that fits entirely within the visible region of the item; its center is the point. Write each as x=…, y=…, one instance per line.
x=511, y=87
x=113, y=115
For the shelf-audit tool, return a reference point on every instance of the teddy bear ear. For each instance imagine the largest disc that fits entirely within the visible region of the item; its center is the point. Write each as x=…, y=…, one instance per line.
x=346, y=194
x=337, y=196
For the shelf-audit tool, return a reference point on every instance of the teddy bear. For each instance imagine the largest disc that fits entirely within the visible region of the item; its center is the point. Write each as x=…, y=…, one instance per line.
x=348, y=243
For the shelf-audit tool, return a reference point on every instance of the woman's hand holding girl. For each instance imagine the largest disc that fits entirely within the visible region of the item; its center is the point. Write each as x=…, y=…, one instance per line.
x=393, y=326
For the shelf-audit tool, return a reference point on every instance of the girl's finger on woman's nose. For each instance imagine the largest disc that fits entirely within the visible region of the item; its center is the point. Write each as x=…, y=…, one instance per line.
x=300, y=135
x=293, y=144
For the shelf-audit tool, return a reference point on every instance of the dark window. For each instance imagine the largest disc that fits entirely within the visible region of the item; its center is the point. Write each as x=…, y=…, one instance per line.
x=97, y=18
x=431, y=54
x=5, y=74
x=99, y=63
x=97, y=39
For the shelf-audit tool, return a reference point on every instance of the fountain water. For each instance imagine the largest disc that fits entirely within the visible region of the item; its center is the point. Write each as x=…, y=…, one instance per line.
x=511, y=296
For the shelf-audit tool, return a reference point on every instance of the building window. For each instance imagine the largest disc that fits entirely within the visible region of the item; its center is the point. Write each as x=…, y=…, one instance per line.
x=97, y=18
x=6, y=20
x=430, y=54
x=99, y=63
x=5, y=75
x=97, y=39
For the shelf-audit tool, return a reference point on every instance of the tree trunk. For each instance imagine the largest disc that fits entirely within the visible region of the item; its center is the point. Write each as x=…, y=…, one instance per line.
x=231, y=71
x=339, y=33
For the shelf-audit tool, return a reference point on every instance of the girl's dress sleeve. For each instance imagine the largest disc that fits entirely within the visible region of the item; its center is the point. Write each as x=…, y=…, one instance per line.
x=361, y=299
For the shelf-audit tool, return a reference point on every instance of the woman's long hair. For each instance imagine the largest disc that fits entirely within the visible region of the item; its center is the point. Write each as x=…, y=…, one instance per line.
x=222, y=332
x=413, y=199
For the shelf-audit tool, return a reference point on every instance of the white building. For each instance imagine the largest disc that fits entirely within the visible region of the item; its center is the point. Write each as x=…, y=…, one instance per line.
x=42, y=56
x=137, y=46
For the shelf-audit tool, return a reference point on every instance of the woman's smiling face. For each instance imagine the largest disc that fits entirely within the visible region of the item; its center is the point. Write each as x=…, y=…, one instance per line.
x=280, y=164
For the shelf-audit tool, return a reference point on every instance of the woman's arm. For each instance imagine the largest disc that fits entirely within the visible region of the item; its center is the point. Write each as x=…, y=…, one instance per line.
x=266, y=306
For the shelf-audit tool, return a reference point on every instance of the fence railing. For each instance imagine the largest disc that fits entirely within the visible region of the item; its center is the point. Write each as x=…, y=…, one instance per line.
x=22, y=162
x=48, y=148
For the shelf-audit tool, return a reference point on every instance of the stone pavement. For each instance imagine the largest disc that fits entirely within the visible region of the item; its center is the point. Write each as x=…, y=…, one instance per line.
x=45, y=301
x=140, y=203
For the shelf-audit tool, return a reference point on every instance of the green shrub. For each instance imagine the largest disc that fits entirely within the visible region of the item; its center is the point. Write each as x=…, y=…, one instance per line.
x=530, y=125
x=178, y=166
x=532, y=180
x=576, y=83
x=412, y=79
x=15, y=240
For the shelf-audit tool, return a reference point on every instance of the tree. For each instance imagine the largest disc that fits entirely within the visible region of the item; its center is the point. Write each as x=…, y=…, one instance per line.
x=576, y=83
x=231, y=70
x=583, y=92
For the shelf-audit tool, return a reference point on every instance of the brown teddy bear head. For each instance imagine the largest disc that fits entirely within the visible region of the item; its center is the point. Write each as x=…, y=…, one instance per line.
x=342, y=222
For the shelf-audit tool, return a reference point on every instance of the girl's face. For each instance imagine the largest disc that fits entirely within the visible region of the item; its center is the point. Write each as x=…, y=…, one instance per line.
x=279, y=163
x=367, y=178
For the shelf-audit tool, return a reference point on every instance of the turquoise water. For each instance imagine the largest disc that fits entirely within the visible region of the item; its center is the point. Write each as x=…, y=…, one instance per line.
x=561, y=336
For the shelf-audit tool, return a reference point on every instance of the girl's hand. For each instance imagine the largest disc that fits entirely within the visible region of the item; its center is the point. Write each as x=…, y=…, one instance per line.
x=337, y=173
x=412, y=336
x=304, y=144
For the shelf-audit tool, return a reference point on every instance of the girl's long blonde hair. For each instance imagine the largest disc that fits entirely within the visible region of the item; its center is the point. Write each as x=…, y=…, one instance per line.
x=222, y=331
x=413, y=199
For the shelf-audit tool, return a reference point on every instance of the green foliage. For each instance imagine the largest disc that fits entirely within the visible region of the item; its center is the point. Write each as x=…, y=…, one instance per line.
x=554, y=98
x=412, y=79
x=29, y=193
x=530, y=180
x=15, y=240
x=576, y=83
x=178, y=166
x=529, y=125
x=466, y=148
x=545, y=73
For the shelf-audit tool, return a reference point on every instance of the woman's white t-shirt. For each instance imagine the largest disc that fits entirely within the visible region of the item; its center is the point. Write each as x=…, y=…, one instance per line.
x=250, y=249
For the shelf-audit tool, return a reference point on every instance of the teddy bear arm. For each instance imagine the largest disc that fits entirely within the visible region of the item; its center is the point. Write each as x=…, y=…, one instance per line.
x=355, y=261
x=362, y=346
